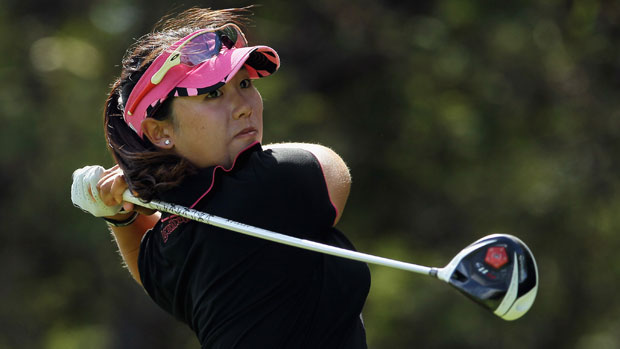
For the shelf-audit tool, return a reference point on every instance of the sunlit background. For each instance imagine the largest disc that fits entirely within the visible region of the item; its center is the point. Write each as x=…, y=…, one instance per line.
x=457, y=119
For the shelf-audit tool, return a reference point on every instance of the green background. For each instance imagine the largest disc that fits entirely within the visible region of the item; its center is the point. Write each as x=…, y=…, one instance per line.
x=457, y=119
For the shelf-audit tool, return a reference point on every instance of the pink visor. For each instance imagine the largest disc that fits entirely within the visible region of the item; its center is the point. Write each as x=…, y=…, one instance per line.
x=199, y=63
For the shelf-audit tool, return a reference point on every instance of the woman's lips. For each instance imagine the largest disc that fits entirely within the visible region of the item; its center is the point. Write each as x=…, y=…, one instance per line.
x=246, y=132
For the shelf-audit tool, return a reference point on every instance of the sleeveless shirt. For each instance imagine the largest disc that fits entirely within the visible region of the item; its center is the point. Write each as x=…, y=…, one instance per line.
x=238, y=291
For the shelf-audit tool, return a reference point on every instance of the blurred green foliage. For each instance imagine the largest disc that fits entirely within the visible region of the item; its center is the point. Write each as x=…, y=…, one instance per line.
x=457, y=118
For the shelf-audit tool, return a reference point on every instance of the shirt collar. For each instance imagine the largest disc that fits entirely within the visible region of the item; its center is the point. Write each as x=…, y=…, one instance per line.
x=195, y=187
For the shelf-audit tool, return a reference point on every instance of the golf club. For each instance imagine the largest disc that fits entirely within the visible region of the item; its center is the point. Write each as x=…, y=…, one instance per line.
x=498, y=272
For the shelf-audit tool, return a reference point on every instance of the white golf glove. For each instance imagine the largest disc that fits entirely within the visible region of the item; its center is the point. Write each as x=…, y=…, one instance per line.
x=85, y=195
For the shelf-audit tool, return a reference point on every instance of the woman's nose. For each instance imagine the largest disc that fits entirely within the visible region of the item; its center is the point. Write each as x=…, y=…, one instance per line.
x=242, y=107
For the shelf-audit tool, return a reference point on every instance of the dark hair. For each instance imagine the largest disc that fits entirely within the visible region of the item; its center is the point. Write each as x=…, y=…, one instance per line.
x=148, y=169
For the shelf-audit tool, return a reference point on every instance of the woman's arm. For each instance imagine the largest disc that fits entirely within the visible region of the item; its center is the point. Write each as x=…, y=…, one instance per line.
x=335, y=170
x=128, y=240
x=111, y=187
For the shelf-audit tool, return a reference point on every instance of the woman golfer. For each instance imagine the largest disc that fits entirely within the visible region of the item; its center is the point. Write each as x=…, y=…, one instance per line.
x=185, y=124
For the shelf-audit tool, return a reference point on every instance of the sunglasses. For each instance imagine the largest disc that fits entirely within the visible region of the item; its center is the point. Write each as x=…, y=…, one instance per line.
x=196, y=49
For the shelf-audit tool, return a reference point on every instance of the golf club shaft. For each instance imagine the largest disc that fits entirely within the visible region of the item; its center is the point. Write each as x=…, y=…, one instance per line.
x=275, y=237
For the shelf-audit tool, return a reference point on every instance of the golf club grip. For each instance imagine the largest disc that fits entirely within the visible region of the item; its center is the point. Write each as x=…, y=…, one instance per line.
x=272, y=236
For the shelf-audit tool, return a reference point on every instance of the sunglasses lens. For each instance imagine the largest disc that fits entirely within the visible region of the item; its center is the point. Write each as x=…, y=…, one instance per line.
x=228, y=36
x=200, y=48
x=231, y=37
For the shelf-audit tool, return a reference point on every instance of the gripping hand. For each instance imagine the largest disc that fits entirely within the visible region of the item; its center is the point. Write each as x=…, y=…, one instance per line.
x=85, y=195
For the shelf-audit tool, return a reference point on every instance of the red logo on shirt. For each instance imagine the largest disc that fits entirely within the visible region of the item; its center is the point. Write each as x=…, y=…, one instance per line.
x=172, y=225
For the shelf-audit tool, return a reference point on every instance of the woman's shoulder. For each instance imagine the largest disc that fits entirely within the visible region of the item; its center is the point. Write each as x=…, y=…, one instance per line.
x=290, y=154
x=298, y=152
x=330, y=165
x=310, y=159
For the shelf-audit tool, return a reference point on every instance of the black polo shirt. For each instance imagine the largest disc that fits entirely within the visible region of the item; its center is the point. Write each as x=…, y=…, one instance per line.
x=237, y=291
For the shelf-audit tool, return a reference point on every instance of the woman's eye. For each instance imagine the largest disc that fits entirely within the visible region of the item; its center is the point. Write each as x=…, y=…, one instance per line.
x=245, y=83
x=213, y=94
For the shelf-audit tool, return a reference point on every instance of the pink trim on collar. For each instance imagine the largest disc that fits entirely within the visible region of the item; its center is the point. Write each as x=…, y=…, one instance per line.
x=213, y=177
x=223, y=169
x=327, y=190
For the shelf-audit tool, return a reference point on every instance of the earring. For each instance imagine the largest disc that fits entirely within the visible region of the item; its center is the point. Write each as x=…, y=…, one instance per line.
x=167, y=142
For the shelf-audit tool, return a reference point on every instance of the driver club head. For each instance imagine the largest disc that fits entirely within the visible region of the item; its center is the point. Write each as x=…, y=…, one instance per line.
x=499, y=272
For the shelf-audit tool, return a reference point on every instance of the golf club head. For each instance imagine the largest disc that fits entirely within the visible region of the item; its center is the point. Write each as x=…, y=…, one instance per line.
x=499, y=272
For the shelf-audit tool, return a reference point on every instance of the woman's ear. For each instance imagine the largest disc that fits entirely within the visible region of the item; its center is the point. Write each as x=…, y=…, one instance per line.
x=158, y=132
